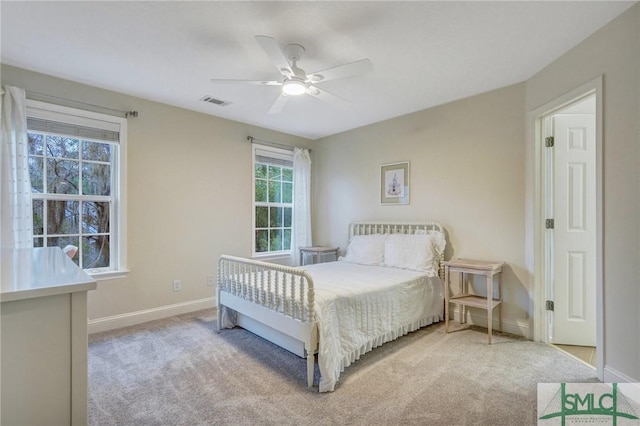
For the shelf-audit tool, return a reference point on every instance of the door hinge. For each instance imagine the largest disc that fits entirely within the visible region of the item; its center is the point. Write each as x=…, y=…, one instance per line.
x=549, y=305
x=548, y=223
x=549, y=141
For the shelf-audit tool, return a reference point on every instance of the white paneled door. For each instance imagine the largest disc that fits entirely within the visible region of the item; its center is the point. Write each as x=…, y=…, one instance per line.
x=574, y=229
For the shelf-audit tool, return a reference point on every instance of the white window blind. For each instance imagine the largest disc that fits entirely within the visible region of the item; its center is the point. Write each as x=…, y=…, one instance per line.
x=70, y=129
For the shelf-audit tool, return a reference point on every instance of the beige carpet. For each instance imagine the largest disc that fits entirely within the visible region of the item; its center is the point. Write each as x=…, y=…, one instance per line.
x=181, y=371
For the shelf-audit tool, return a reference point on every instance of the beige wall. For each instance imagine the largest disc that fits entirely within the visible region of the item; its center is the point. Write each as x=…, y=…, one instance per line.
x=189, y=198
x=614, y=53
x=467, y=172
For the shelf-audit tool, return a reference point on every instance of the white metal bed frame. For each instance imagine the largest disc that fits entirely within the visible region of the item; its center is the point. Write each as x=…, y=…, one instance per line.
x=277, y=302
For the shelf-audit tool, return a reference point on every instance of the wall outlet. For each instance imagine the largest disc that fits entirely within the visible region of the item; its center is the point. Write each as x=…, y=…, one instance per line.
x=210, y=281
x=177, y=285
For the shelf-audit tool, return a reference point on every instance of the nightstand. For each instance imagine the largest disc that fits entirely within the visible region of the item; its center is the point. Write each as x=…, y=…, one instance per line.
x=464, y=298
x=316, y=252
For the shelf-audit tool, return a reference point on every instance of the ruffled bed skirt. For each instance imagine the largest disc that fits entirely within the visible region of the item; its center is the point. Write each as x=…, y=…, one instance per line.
x=327, y=384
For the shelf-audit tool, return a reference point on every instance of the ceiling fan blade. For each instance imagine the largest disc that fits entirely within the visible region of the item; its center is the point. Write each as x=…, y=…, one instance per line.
x=271, y=47
x=279, y=104
x=325, y=96
x=234, y=81
x=347, y=70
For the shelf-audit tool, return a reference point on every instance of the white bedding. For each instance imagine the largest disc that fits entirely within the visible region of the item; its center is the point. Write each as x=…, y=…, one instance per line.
x=360, y=307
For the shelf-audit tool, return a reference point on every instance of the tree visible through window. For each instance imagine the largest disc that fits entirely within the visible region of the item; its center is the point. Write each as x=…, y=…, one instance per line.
x=72, y=201
x=273, y=204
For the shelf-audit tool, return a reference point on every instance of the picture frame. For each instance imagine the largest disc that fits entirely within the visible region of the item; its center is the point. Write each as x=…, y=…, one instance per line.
x=394, y=183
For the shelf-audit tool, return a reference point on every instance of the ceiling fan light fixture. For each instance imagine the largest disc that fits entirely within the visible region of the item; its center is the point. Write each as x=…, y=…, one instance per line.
x=293, y=87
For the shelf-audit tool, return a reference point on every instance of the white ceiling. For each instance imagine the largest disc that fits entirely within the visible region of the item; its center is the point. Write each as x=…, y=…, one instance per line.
x=423, y=53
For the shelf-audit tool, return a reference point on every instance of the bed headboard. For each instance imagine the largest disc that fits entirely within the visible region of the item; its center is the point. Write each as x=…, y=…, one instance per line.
x=367, y=228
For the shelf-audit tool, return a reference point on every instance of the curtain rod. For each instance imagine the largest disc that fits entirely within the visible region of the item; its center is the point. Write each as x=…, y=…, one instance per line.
x=274, y=144
x=43, y=97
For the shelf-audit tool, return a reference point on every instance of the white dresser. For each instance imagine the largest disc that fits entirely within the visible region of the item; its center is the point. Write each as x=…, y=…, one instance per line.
x=43, y=338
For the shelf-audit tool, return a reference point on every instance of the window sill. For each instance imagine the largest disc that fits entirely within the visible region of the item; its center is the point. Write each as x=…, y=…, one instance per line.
x=280, y=258
x=108, y=275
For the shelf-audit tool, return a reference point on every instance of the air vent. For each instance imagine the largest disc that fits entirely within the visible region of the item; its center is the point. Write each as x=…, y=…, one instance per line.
x=215, y=101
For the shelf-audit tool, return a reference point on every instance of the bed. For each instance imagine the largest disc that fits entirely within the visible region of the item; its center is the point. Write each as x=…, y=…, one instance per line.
x=388, y=283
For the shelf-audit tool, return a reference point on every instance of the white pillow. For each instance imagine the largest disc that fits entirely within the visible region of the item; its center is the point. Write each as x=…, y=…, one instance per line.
x=439, y=242
x=411, y=251
x=366, y=249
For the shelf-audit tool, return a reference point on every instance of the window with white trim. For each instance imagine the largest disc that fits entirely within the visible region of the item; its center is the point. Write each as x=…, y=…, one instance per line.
x=272, y=200
x=76, y=166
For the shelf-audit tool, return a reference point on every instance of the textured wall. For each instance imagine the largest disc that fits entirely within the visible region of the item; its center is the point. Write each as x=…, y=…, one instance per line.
x=467, y=172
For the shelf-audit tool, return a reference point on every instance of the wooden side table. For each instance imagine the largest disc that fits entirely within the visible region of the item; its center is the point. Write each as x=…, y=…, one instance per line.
x=316, y=252
x=464, y=298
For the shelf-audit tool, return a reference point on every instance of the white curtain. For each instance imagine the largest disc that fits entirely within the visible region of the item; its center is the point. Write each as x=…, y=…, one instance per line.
x=16, y=225
x=301, y=235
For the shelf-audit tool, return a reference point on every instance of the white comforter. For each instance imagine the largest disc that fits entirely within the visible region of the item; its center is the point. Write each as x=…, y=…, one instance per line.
x=361, y=307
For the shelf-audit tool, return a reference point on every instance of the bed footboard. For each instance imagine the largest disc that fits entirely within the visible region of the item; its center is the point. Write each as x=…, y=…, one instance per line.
x=277, y=296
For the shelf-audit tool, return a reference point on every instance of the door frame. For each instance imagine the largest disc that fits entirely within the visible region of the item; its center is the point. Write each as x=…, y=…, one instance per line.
x=541, y=285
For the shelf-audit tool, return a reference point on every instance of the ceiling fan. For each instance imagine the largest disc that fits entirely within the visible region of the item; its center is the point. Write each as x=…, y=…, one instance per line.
x=295, y=81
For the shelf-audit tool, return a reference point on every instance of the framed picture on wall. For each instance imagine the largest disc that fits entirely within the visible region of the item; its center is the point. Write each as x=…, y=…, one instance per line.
x=394, y=183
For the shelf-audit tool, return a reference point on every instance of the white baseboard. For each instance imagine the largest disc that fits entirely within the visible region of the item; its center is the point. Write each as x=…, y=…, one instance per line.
x=132, y=318
x=517, y=328
x=612, y=375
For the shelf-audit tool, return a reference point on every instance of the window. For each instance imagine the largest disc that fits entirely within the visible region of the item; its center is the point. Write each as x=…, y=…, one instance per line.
x=273, y=200
x=77, y=172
